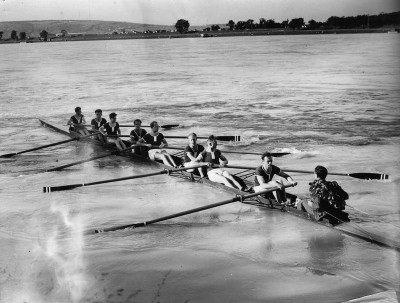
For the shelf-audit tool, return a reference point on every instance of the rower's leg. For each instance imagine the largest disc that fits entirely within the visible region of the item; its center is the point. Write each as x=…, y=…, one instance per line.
x=282, y=192
x=101, y=138
x=163, y=158
x=227, y=175
x=169, y=158
x=122, y=143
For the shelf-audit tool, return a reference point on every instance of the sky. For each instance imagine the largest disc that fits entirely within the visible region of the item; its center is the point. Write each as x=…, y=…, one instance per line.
x=197, y=12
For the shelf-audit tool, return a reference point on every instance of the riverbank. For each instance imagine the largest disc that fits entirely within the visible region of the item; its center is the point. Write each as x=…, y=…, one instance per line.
x=198, y=34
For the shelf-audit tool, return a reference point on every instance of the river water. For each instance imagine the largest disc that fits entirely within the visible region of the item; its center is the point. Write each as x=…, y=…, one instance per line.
x=331, y=100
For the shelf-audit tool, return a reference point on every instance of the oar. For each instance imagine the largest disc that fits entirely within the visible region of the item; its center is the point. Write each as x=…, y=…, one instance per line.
x=364, y=176
x=280, y=154
x=94, y=158
x=229, y=152
x=221, y=138
x=190, y=211
x=164, y=171
x=127, y=125
x=44, y=146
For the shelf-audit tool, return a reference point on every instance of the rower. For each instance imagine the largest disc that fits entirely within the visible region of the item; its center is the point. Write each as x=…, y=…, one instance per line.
x=77, y=122
x=136, y=134
x=98, y=122
x=327, y=199
x=263, y=178
x=214, y=156
x=155, y=138
x=193, y=154
x=112, y=131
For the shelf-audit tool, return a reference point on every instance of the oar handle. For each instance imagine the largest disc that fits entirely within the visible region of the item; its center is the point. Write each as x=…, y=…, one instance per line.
x=190, y=211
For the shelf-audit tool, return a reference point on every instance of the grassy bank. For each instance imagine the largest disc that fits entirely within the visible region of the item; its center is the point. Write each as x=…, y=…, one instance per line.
x=227, y=33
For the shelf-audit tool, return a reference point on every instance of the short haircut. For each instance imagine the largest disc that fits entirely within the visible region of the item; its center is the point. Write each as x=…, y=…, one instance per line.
x=321, y=172
x=211, y=139
x=137, y=120
x=98, y=111
x=113, y=115
x=77, y=109
x=192, y=135
x=266, y=154
x=153, y=123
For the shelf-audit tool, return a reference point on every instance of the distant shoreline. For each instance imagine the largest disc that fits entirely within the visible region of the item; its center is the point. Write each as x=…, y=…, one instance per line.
x=207, y=34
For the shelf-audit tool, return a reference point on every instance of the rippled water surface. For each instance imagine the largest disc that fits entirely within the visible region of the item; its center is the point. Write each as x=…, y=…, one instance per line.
x=330, y=99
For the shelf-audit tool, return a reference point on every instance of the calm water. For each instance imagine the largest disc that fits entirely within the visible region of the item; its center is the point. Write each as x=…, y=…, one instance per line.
x=331, y=100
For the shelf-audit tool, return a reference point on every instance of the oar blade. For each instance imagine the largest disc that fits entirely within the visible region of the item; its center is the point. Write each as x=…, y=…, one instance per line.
x=48, y=189
x=228, y=138
x=279, y=154
x=369, y=176
x=166, y=126
x=8, y=155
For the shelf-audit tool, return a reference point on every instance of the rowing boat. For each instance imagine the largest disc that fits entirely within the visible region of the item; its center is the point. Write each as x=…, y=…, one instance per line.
x=245, y=175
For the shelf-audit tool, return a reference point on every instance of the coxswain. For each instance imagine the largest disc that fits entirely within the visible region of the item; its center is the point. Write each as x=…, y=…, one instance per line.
x=155, y=138
x=193, y=155
x=112, y=131
x=136, y=134
x=264, y=175
x=77, y=122
x=98, y=122
x=327, y=199
x=214, y=157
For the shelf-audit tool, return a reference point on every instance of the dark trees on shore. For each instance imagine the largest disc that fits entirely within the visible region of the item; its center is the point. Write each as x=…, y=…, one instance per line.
x=296, y=23
x=22, y=36
x=43, y=35
x=361, y=21
x=231, y=24
x=182, y=26
x=13, y=35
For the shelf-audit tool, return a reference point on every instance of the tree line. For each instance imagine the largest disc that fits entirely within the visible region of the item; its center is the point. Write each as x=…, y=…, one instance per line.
x=360, y=21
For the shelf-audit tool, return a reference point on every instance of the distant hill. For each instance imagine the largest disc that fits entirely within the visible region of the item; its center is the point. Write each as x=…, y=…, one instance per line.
x=33, y=28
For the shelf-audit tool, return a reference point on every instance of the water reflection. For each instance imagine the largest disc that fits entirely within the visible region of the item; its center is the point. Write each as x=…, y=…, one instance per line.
x=326, y=252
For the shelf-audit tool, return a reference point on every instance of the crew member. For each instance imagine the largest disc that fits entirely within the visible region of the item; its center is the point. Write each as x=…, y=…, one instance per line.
x=98, y=122
x=77, y=122
x=112, y=131
x=263, y=178
x=156, y=139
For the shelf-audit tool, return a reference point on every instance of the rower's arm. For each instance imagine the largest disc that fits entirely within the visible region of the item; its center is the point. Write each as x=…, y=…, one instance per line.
x=224, y=160
x=260, y=180
x=101, y=130
x=164, y=143
x=286, y=176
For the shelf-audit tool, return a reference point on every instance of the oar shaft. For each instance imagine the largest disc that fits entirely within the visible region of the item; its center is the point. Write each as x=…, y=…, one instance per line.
x=47, y=145
x=164, y=171
x=221, y=138
x=190, y=211
x=90, y=159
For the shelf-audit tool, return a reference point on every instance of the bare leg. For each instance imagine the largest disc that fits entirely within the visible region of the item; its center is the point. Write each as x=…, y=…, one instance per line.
x=230, y=177
x=84, y=132
x=163, y=158
x=101, y=138
x=169, y=159
x=221, y=179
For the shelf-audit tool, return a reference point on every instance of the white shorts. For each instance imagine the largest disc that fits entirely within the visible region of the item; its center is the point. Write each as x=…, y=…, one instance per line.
x=153, y=152
x=215, y=172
